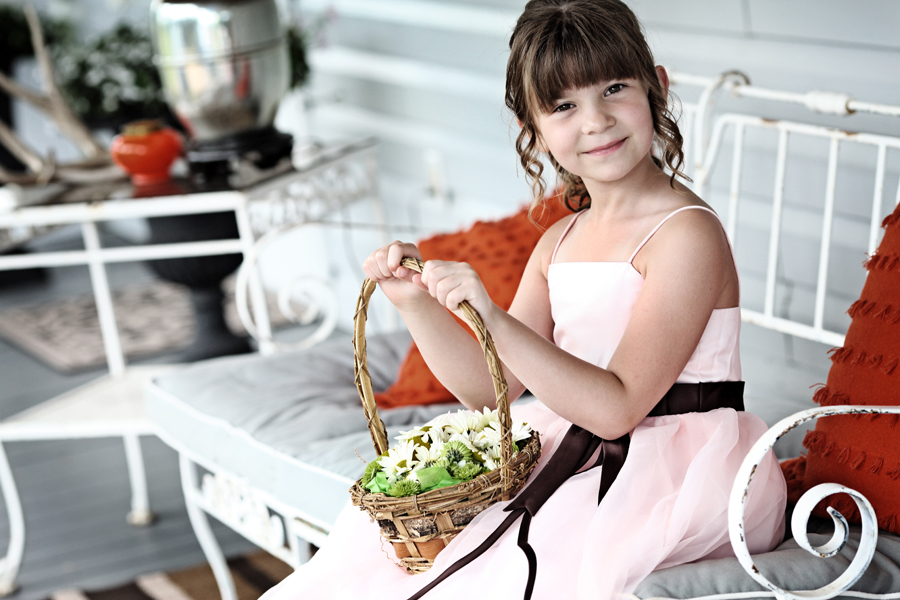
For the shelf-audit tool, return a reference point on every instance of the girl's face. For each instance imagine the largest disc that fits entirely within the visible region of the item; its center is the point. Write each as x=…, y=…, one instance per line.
x=601, y=132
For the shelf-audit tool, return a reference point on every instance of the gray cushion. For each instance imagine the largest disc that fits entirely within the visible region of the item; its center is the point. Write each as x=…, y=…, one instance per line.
x=289, y=424
x=788, y=566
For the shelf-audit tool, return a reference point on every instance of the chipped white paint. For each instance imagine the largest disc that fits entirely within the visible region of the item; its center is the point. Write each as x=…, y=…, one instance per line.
x=238, y=504
x=740, y=123
x=803, y=510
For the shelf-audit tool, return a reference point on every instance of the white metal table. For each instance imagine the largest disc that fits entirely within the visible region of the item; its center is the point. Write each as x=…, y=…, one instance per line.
x=112, y=405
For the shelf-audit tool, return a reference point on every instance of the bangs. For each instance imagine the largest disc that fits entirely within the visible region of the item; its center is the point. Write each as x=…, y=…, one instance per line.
x=577, y=51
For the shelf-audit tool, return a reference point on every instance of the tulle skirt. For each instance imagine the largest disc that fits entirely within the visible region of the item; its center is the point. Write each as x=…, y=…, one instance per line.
x=667, y=507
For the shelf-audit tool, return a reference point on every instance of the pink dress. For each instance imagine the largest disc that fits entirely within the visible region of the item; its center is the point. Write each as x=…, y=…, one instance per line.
x=667, y=507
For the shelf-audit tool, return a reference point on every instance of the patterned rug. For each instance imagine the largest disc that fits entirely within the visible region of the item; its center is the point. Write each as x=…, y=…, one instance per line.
x=253, y=575
x=152, y=318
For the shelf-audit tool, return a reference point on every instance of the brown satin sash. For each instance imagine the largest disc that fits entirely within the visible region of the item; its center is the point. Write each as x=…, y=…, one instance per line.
x=575, y=451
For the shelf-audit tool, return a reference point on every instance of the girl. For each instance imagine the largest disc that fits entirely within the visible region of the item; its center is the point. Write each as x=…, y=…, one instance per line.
x=631, y=300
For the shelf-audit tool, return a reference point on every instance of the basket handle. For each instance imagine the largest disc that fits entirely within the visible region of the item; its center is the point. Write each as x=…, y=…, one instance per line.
x=364, y=381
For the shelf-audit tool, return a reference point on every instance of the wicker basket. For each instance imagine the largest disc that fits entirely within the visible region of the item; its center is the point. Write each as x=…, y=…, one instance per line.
x=419, y=527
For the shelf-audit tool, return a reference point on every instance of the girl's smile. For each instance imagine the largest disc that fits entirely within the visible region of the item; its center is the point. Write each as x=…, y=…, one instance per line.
x=608, y=149
x=600, y=132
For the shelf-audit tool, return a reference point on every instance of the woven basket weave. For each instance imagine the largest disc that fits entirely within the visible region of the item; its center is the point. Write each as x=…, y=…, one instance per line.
x=419, y=527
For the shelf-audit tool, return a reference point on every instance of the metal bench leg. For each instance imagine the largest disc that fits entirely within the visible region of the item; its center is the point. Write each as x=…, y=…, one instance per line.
x=203, y=531
x=9, y=565
x=140, y=515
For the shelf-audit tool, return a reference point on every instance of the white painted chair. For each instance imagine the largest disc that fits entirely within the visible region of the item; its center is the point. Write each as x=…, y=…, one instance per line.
x=112, y=405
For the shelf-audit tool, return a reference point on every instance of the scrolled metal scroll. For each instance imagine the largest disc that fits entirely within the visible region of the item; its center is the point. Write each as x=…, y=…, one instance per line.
x=803, y=510
x=247, y=271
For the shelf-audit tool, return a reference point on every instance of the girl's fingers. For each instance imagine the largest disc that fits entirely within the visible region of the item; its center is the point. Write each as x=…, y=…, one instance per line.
x=450, y=283
x=384, y=263
x=375, y=266
x=417, y=279
x=397, y=252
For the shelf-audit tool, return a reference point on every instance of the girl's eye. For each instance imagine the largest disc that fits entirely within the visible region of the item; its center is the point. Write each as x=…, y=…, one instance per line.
x=614, y=88
x=563, y=107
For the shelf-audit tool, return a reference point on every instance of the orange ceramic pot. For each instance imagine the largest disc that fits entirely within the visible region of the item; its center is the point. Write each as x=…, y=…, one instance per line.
x=146, y=150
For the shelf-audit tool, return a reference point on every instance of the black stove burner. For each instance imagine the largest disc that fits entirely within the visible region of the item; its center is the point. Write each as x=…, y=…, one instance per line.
x=264, y=148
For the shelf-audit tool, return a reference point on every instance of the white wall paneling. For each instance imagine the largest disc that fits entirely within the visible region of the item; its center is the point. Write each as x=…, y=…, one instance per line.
x=870, y=24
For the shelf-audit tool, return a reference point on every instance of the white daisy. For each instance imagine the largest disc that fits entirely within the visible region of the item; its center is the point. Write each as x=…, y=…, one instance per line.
x=462, y=422
x=398, y=461
x=520, y=431
x=467, y=439
x=415, y=432
x=489, y=436
x=425, y=455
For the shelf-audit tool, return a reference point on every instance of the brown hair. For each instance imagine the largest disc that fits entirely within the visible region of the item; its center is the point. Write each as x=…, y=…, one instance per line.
x=560, y=44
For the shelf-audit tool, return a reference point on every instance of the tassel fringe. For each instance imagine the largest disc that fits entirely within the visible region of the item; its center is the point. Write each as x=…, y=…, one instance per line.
x=882, y=262
x=889, y=523
x=895, y=472
x=839, y=355
x=817, y=442
x=821, y=396
x=844, y=456
x=876, y=465
x=858, y=357
x=866, y=308
x=813, y=440
x=835, y=399
x=891, y=218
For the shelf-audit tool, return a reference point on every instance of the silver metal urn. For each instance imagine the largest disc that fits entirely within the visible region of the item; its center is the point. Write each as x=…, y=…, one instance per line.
x=225, y=67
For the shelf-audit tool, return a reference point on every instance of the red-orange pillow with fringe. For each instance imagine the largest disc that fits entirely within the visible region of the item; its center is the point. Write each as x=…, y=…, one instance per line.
x=498, y=251
x=861, y=452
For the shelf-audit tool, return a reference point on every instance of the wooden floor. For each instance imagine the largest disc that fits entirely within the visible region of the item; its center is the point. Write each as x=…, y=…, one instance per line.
x=75, y=494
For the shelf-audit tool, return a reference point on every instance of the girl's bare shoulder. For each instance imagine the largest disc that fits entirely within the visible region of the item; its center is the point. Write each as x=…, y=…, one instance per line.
x=690, y=236
x=545, y=246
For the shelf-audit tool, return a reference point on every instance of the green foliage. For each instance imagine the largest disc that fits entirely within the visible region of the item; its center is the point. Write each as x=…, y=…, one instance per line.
x=371, y=468
x=467, y=471
x=15, y=41
x=112, y=78
x=404, y=487
x=456, y=451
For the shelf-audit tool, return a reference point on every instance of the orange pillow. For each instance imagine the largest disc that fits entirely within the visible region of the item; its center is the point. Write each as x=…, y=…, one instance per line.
x=498, y=251
x=861, y=452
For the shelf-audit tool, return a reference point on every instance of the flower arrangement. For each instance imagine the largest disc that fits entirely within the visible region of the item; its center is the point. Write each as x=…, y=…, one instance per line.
x=447, y=450
x=112, y=79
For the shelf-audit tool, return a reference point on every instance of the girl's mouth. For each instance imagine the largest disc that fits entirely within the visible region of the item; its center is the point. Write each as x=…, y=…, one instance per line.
x=608, y=149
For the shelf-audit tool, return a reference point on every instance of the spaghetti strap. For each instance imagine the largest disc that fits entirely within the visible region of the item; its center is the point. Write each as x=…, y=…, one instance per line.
x=565, y=231
x=661, y=223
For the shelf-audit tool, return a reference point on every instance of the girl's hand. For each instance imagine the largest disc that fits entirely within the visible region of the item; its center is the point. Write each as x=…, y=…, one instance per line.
x=402, y=286
x=452, y=282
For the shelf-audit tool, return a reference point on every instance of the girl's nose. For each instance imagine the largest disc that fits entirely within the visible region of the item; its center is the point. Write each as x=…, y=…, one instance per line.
x=596, y=120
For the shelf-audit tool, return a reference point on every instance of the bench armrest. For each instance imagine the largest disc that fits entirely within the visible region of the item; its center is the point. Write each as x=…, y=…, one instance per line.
x=804, y=508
